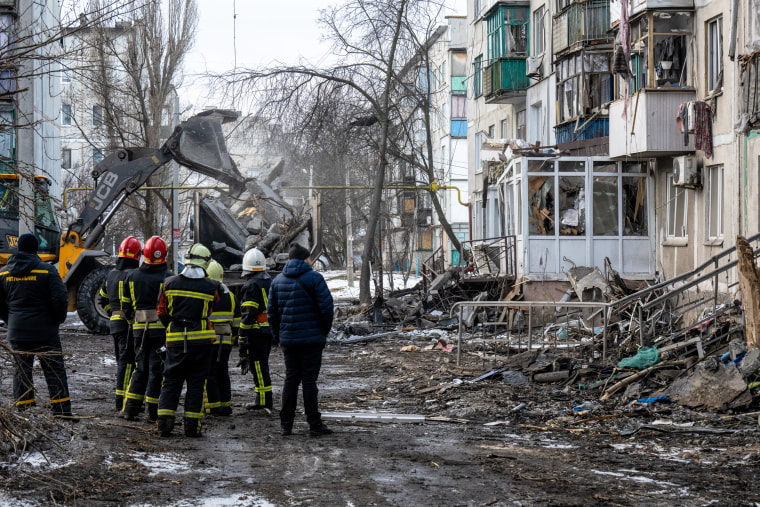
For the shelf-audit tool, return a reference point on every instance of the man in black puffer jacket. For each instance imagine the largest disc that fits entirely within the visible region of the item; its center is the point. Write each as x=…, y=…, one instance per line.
x=300, y=315
x=33, y=302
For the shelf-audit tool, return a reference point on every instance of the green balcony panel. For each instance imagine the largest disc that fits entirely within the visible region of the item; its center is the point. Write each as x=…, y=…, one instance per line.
x=459, y=84
x=506, y=75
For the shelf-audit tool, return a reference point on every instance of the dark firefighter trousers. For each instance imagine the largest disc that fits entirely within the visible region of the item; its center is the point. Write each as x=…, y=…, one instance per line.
x=51, y=359
x=259, y=348
x=302, y=365
x=218, y=389
x=146, y=380
x=125, y=360
x=191, y=367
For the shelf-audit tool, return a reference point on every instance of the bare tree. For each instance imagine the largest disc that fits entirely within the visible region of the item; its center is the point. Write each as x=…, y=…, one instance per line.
x=129, y=66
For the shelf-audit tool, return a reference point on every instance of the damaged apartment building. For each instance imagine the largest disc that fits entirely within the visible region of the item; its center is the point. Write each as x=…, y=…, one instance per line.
x=623, y=130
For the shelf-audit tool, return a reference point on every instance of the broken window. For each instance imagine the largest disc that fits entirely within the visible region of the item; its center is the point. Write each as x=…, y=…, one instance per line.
x=669, y=34
x=425, y=238
x=677, y=205
x=584, y=84
x=715, y=202
x=539, y=32
x=477, y=83
x=606, y=206
x=572, y=205
x=507, y=32
x=635, y=206
x=541, y=205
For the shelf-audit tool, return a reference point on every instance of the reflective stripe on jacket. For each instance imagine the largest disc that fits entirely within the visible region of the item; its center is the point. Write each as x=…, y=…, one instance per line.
x=185, y=306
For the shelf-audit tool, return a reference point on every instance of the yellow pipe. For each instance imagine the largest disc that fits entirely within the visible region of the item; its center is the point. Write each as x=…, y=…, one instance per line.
x=433, y=187
x=66, y=192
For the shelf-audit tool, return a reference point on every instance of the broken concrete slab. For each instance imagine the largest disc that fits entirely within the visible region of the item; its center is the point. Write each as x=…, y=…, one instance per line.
x=750, y=363
x=698, y=390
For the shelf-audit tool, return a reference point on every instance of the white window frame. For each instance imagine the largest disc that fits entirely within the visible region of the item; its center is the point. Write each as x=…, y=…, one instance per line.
x=65, y=158
x=714, y=52
x=539, y=31
x=67, y=116
x=714, y=200
x=673, y=195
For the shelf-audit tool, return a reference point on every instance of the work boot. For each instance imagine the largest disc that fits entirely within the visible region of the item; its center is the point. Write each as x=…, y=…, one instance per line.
x=132, y=409
x=152, y=412
x=319, y=430
x=286, y=431
x=225, y=411
x=119, y=403
x=192, y=427
x=165, y=425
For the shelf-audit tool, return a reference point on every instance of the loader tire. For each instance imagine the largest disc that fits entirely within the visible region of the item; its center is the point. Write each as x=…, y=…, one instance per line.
x=92, y=315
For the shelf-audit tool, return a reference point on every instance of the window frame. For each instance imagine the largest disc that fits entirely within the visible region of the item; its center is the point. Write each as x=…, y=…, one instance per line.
x=672, y=195
x=539, y=32
x=712, y=172
x=714, y=36
x=65, y=159
x=477, y=82
x=97, y=116
x=67, y=115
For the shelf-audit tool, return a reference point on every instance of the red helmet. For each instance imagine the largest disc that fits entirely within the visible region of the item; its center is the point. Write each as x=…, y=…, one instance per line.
x=155, y=250
x=130, y=248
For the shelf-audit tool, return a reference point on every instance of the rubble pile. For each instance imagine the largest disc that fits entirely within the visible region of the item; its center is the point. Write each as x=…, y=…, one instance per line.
x=657, y=345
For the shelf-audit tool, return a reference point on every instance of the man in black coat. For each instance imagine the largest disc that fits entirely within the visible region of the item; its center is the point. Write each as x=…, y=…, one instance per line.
x=34, y=302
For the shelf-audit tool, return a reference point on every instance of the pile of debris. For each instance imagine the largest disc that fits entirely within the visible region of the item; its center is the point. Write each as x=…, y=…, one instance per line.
x=663, y=342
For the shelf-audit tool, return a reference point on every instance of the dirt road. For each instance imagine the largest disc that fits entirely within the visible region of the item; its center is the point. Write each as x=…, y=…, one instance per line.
x=537, y=455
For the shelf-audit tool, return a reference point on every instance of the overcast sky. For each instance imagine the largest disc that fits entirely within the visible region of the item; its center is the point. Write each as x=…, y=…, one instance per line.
x=263, y=32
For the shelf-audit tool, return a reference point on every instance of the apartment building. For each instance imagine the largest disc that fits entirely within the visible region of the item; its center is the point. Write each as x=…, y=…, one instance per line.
x=29, y=137
x=605, y=176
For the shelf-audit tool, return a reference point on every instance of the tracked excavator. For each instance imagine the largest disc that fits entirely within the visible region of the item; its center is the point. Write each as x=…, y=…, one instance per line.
x=197, y=143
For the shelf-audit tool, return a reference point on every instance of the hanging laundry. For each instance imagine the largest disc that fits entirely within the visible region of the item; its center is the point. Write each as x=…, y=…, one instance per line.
x=703, y=128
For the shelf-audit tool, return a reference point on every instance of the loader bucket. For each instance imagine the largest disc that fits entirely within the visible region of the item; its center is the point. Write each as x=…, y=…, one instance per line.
x=202, y=147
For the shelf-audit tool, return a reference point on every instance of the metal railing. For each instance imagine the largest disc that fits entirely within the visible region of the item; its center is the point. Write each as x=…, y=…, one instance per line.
x=670, y=308
x=491, y=256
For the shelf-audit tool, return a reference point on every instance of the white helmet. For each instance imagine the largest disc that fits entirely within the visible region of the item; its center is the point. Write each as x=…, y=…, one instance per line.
x=254, y=260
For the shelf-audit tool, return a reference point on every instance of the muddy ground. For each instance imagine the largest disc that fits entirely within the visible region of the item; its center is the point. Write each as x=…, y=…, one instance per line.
x=540, y=454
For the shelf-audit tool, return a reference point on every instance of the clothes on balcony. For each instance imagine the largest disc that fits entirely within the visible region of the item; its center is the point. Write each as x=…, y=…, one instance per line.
x=695, y=116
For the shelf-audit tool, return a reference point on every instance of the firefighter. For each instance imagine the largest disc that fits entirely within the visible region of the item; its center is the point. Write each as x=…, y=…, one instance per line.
x=33, y=302
x=255, y=337
x=111, y=295
x=143, y=286
x=184, y=307
x=226, y=320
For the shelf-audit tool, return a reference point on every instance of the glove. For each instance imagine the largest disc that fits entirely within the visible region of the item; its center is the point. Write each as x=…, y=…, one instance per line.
x=245, y=364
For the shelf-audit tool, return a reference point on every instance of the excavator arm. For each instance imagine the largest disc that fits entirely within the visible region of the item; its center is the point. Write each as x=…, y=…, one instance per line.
x=197, y=143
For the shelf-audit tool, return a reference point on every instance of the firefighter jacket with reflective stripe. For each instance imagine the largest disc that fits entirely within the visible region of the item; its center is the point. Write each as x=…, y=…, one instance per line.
x=184, y=308
x=115, y=290
x=253, y=308
x=143, y=287
x=226, y=315
x=33, y=298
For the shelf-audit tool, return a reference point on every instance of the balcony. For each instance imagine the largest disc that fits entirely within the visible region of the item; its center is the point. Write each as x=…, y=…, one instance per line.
x=650, y=128
x=505, y=81
x=591, y=129
x=581, y=24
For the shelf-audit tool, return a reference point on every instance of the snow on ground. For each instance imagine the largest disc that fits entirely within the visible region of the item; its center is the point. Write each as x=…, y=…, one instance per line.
x=337, y=282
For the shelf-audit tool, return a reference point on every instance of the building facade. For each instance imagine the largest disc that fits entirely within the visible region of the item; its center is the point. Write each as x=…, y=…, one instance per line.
x=641, y=147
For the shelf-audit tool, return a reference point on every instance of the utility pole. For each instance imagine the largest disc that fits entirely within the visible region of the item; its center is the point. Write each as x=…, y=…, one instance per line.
x=349, y=236
x=175, y=196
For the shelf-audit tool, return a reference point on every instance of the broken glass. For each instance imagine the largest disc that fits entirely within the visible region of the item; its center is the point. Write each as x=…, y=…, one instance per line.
x=541, y=205
x=605, y=210
x=572, y=205
x=635, y=221
x=538, y=165
x=578, y=166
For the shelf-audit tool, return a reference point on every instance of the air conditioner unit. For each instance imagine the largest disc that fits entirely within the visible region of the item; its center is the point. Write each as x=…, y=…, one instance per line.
x=533, y=66
x=685, y=173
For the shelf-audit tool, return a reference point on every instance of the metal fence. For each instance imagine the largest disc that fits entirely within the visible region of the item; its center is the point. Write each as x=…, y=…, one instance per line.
x=661, y=314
